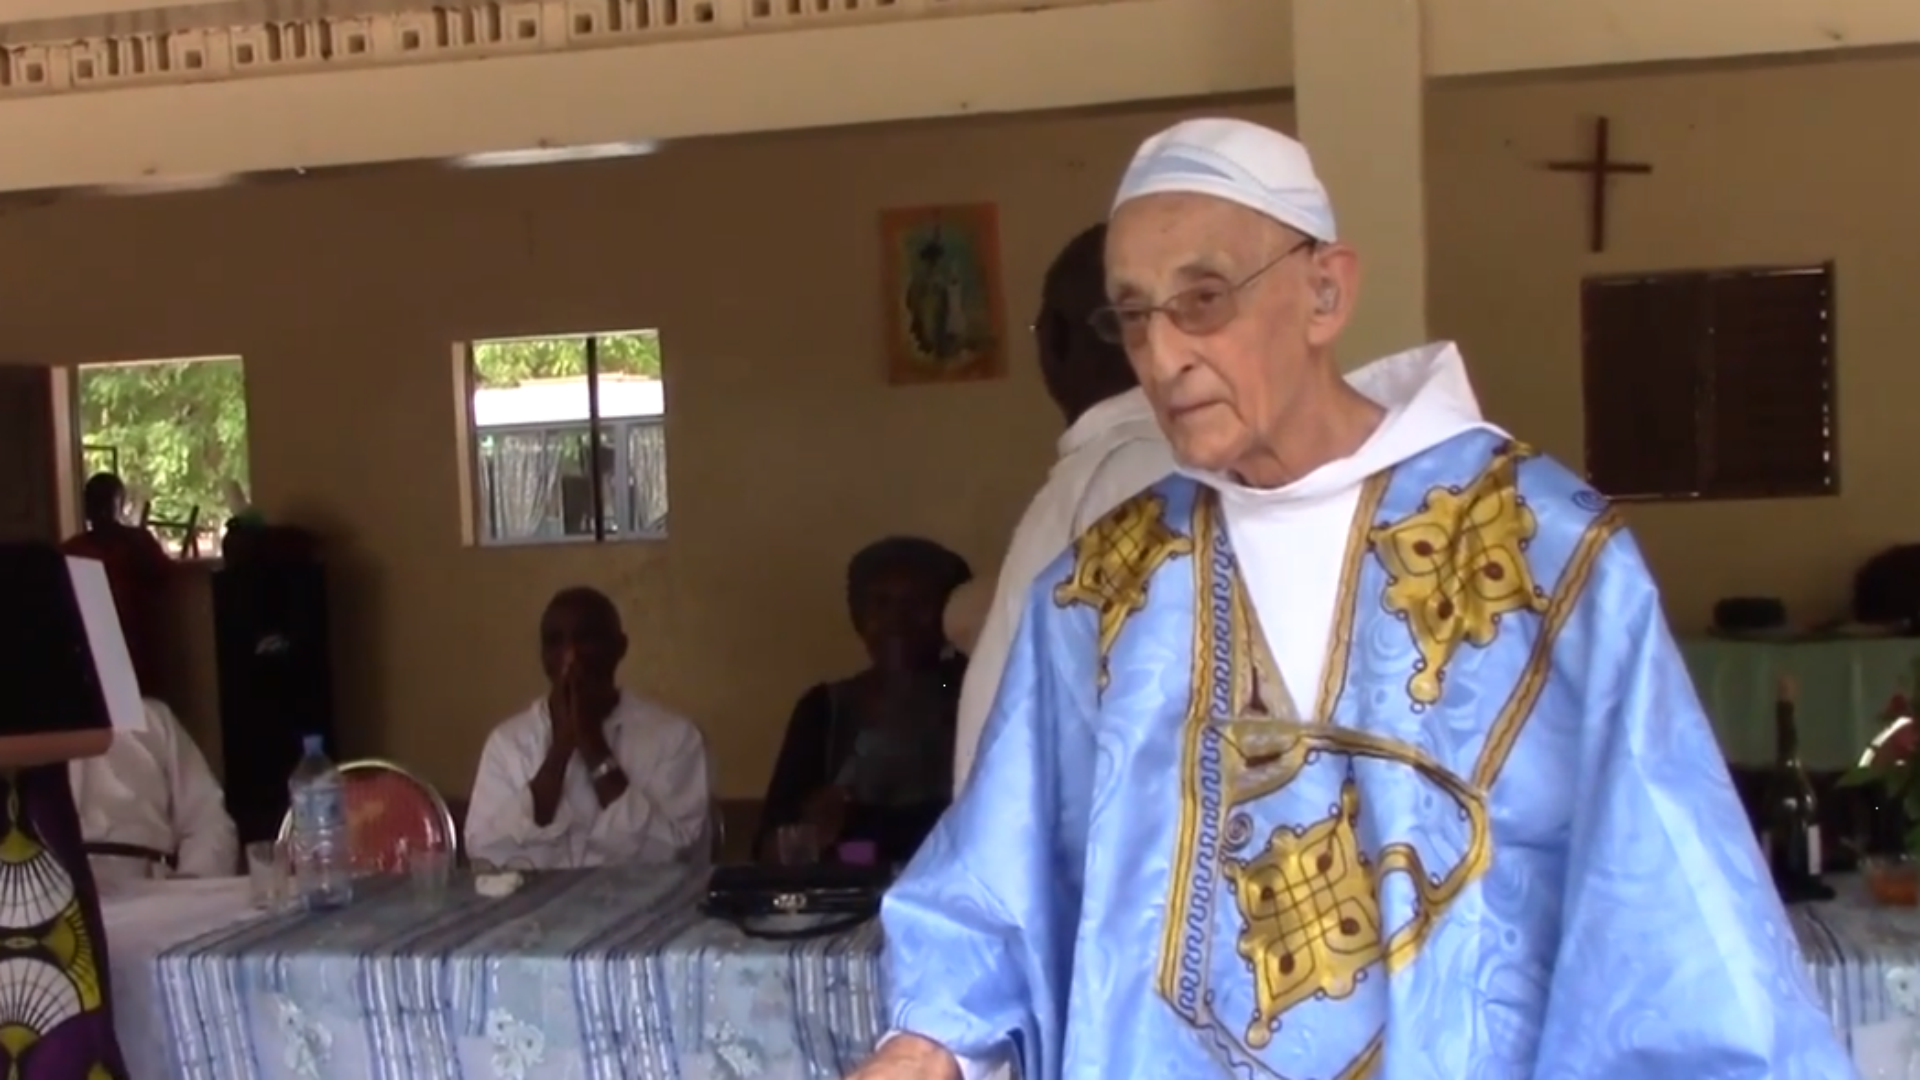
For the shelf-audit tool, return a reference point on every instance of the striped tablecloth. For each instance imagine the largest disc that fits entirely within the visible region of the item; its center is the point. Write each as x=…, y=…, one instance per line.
x=609, y=975
x=1865, y=964
x=612, y=975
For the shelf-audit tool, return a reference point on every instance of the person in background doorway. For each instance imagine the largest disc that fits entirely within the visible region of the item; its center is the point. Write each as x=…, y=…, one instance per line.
x=1111, y=450
x=137, y=569
x=589, y=774
x=870, y=758
x=152, y=789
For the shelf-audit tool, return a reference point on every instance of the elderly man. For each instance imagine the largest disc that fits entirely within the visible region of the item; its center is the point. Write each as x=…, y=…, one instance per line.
x=1111, y=450
x=1359, y=749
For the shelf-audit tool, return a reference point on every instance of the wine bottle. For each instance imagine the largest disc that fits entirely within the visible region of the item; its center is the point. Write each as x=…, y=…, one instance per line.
x=1792, y=811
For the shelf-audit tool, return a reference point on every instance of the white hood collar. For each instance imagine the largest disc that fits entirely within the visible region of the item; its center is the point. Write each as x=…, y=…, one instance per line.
x=1428, y=401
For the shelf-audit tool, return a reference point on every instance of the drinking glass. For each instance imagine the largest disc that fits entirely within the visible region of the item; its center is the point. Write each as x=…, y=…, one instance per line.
x=269, y=875
x=428, y=868
x=796, y=845
x=1893, y=880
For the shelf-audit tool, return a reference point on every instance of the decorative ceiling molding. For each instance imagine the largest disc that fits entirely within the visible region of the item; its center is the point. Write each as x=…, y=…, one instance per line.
x=217, y=14
x=238, y=39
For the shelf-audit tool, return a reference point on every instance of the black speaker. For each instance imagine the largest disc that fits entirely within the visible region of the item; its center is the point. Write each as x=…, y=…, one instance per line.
x=271, y=642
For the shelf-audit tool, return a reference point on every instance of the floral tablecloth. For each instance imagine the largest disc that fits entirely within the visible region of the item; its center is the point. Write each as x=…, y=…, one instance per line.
x=607, y=975
x=613, y=975
x=1864, y=961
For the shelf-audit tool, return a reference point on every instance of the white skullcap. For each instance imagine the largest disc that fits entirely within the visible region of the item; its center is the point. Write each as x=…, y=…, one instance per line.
x=1243, y=163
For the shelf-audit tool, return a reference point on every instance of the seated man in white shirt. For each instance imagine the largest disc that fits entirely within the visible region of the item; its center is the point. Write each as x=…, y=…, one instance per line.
x=589, y=774
x=153, y=790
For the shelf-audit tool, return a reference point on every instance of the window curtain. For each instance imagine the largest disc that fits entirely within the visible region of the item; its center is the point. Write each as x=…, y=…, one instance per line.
x=647, y=450
x=522, y=484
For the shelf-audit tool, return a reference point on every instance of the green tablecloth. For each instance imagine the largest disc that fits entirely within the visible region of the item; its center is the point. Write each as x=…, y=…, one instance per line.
x=1844, y=686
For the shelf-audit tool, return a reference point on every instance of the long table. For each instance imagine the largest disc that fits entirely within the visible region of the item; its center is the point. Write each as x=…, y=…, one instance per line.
x=1864, y=961
x=608, y=975
x=611, y=975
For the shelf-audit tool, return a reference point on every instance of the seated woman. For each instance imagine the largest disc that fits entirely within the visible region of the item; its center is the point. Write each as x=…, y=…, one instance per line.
x=870, y=758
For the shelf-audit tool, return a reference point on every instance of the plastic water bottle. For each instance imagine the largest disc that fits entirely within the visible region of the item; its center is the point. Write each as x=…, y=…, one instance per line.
x=322, y=865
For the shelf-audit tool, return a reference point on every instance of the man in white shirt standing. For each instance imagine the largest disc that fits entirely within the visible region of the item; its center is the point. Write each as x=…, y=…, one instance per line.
x=589, y=774
x=153, y=790
x=1111, y=450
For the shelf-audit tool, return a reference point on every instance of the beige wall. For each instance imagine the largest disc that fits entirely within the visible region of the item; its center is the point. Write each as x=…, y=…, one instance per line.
x=757, y=260
x=1767, y=167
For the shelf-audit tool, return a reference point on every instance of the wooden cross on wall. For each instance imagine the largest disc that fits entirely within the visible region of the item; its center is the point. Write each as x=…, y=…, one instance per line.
x=1600, y=168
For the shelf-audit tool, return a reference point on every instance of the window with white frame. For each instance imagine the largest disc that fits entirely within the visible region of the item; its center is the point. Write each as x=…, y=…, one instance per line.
x=567, y=438
x=175, y=432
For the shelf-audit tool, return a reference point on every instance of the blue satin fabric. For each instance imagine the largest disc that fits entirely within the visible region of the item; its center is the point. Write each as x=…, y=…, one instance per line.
x=1531, y=866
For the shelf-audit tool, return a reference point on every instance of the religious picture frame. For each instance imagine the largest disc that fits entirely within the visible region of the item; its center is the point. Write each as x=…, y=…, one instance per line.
x=945, y=318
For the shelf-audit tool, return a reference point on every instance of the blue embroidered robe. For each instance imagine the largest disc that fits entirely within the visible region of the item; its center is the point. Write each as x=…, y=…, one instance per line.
x=1498, y=843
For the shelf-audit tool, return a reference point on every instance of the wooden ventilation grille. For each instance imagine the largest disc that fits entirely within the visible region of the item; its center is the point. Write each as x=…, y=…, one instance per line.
x=1710, y=385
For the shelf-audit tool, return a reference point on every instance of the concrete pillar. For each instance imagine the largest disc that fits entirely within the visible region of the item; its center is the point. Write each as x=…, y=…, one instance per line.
x=1360, y=88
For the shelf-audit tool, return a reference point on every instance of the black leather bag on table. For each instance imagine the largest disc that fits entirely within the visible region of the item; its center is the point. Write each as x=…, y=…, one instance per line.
x=841, y=897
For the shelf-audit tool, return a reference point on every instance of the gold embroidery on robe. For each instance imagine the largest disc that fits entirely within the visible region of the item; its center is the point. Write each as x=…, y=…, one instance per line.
x=1310, y=923
x=1346, y=608
x=1513, y=716
x=1458, y=564
x=1114, y=561
x=1296, y=899
x=1259, y=690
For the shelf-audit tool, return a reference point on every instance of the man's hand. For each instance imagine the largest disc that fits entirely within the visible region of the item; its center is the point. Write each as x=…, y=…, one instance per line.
x=563, y=713
x=909, y=1057
x=584, y=734
x=564, y=706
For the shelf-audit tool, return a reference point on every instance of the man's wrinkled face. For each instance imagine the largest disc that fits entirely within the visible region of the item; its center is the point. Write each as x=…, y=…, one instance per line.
x=1220, y=396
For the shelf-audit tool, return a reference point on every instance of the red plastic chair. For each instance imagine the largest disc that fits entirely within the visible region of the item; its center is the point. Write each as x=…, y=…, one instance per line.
x=390, y=811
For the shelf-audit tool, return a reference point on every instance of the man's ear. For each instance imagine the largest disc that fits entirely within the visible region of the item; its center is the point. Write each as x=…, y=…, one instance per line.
x=1336, y=290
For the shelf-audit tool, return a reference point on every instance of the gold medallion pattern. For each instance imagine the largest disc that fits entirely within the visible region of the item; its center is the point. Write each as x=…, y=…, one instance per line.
x=1115, y=559
x=1458, y=564
x=1317, y=853
x=1298, y=887
x=1310, y=923
x=1307, y=898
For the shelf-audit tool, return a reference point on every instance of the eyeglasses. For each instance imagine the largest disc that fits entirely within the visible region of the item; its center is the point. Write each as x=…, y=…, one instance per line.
x=1199, y=311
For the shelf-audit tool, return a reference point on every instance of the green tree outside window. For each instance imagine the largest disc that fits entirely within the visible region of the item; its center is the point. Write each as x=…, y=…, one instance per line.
x=174, y=430
x=502, y=364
